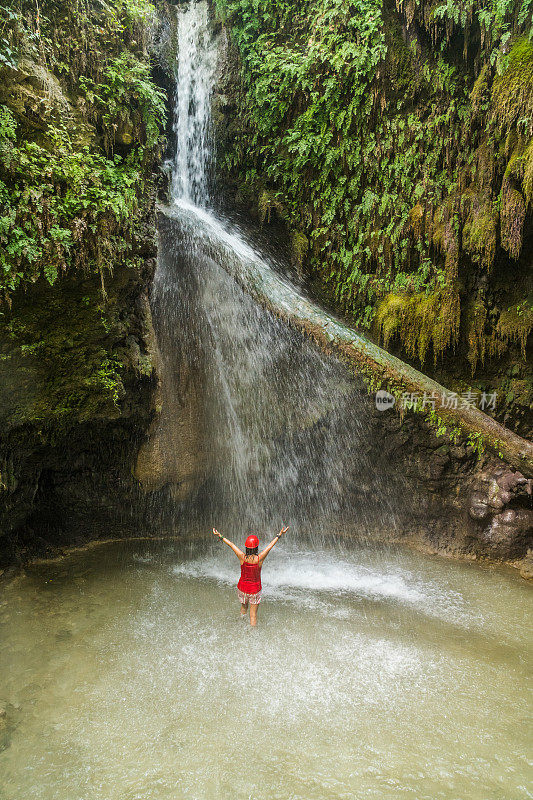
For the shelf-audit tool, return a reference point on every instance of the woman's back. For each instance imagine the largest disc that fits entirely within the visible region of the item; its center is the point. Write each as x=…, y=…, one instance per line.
x=249, y=586
x=250, y=576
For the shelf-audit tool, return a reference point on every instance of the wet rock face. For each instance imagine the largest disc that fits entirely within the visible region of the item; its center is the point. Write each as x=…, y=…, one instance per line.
x=501, y=504
x=449, y=500
x=77, y=386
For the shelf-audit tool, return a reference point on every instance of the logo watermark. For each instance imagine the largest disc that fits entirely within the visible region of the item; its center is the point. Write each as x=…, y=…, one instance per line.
x=432, y=401
x=384, y=400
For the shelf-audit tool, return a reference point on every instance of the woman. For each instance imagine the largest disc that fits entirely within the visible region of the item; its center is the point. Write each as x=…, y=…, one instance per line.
x=249, y=586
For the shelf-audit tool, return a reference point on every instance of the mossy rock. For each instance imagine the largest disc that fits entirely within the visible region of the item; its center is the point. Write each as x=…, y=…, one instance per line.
x=65, y=354
x=480, y=94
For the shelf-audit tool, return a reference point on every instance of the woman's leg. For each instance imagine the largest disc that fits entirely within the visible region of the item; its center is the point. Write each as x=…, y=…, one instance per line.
x=253, y=613
x=244, y=609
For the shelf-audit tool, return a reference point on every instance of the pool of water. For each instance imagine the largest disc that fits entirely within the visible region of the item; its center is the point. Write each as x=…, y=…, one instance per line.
x=126, y=673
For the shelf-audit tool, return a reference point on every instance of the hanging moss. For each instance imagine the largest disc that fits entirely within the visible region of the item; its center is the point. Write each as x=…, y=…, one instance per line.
x=480, y=94
x=512, y=216
x=389, y=316
x=445, y=236
x=476, y=314
x=416, y=218
x=420, y=321
x=514, y=325
x=480, y=232
x=512, y=92
x=299, y=248
x=484, y=165
x=266, y=203
x=527, y=179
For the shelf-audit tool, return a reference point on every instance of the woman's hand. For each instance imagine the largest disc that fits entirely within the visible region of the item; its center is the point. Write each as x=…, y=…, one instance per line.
x=283, y=531
x=217, y=533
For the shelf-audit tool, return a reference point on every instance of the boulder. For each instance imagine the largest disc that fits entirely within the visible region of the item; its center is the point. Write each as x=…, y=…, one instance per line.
x=501, y=504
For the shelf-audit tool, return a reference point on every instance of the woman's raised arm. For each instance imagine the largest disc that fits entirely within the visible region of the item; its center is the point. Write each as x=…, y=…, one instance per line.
x=238, y=553
x=274, y=541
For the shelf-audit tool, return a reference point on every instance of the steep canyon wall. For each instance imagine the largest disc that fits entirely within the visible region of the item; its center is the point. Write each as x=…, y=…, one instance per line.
x=89, y=430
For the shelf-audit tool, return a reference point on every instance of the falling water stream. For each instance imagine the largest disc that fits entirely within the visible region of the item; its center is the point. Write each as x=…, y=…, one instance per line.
x=285, y=437
x=125, y=670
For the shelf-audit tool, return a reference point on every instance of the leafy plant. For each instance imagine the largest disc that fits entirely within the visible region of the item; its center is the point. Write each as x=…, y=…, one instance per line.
x=66, y=202
x=126, y=97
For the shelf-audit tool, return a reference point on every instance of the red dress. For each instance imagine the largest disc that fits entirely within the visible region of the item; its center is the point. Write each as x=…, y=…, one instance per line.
x=250, y=580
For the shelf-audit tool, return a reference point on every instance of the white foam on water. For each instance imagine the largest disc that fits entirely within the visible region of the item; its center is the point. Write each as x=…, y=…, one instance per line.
x=314, y=579
x=228, y=234
x=312, y=575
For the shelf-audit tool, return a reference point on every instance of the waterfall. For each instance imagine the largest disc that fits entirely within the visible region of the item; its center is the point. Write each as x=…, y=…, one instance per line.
x=282, y=425
x=194, y=80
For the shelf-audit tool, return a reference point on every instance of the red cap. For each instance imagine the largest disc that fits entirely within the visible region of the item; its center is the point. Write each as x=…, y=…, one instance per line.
x=252, y=541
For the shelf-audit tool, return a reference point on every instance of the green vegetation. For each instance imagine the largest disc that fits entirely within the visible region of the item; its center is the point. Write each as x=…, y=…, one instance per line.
x=396, y=141
x=80, y=131
x=79, y=126
x=57, y=364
